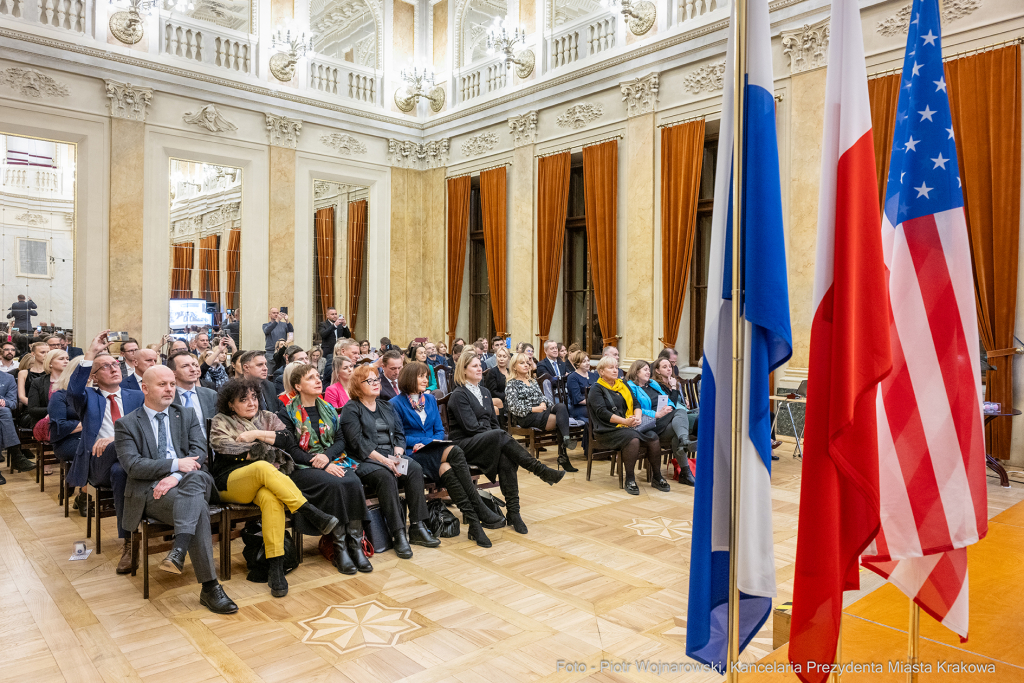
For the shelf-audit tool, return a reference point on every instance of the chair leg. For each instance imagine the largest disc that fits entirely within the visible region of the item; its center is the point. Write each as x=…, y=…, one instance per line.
x=88, y=511
x=590, y=461
x=135, y=539
x=225, y=545
x=39, y=468
x=618, y=461
x=99, y=526
x=145, y=560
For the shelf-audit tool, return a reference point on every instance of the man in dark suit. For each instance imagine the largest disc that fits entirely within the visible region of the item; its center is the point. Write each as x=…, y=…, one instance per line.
x=189, y=393
x=254, y=366
x=99, y=407
x=551, y=365
x=22, y=311
x=331, y=331
x=144, y=360
x=390, y=366
x=162, y=449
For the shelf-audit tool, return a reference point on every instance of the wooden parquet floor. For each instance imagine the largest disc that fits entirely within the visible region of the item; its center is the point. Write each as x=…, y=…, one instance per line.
x=602, y=576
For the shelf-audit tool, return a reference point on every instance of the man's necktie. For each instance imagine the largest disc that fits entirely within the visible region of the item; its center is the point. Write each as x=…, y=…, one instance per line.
x=394, y=385
x=188, y=398
x=115, y=411
x=161, y=434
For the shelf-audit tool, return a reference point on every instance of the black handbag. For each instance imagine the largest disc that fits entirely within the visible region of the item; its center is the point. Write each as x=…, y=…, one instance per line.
x=377, y=529
x=440, y=521
x=255, y=552
x=493, y=503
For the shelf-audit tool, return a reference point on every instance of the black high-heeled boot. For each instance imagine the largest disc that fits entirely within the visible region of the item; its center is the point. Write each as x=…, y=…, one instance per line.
x=508, y=481
x=354, y=542
x=489, y=519
x=458, y=496
x=321, y=521
x=521, y=457
x=342, y=560
x=275, y=577
x=563, y=459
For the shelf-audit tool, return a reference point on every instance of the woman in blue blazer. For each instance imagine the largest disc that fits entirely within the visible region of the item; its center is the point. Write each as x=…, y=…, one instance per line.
x=441, y=460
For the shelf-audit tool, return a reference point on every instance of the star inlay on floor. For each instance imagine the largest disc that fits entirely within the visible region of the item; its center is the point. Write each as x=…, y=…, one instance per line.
x=345, y=628
x=662, y=527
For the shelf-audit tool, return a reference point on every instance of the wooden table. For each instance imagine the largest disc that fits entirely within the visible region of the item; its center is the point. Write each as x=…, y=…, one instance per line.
x=992, y=463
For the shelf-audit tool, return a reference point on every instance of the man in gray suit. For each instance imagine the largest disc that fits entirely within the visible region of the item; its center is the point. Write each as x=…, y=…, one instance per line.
x=190, y=394
x=162, y=449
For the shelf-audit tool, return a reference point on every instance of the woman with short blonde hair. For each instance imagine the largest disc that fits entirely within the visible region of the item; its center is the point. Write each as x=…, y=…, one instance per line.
x=530, y=408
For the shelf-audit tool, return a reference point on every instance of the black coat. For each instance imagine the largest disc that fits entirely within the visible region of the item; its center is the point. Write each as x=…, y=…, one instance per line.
x=494, y=381
x=602, y=403
x=466, y=417
x=268, y=397
x=329, y=336
x=38, y=398
x=359, y=426
x=302, y=457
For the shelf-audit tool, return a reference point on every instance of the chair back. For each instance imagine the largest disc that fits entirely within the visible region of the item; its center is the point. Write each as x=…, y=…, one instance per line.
x=209, y=448
x=547, y=390
x=442, y=408
x=442, y=380
x=561, y=390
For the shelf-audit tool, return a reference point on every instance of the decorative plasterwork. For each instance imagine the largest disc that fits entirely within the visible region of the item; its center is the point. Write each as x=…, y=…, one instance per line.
x=32, y=218
x=640, y=95
x=807, y=47
x=898, y=23
x=209, y=118
x=523, y=129
x=329, y=21
x=283, y=131
x=478, y=144
x=32, y=83
x=419, y=155
x=579, y=115
x=343, y=143
x=707, y=78
x=128, y=101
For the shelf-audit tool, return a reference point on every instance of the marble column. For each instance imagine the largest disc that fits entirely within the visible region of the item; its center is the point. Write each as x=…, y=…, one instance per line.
x=405, y=202
x=432, y=292
x=281, y=273
x=522, y=256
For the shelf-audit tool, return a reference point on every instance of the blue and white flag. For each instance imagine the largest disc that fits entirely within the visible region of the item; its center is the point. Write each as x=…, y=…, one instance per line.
x=768, y=344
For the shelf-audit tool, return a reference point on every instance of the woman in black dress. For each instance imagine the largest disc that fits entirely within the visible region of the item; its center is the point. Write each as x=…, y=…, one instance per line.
x=322, y=471
x=473, y=426
x=615, y=419
x=496, y=377
x=374, y=438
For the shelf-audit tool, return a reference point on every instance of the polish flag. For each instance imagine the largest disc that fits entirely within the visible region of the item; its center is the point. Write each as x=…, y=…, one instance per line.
x=849, y=355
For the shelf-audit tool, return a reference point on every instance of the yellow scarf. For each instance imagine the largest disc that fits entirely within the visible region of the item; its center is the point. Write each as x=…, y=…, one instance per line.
x=623, y=391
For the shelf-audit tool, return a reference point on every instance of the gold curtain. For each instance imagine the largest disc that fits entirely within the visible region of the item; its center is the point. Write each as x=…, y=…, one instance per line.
x=458, y=232
x=209, y=268
x=682, y=153
x=600, y=186
x=883, y=93
x=323, y=222
x=356, y=256
x=552, y=204
x=495, y=210
x=181, y=272
x=233, y=268
x=985, y=98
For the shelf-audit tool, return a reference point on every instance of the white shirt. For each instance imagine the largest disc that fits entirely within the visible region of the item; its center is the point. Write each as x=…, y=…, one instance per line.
x=170, y=454
x=7, y=368
x=196, y=405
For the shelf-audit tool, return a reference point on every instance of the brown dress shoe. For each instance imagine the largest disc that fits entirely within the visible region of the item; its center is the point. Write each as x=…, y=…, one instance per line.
x=129, y=560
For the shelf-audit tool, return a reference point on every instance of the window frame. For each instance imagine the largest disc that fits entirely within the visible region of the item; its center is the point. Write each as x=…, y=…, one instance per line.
x=19, y=271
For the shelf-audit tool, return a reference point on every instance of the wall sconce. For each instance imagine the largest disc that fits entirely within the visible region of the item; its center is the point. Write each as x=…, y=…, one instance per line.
x=127, y=25
x=501, y=42
x=419, y=84
x=640, y=14
x=291, y=46
x=180, y=5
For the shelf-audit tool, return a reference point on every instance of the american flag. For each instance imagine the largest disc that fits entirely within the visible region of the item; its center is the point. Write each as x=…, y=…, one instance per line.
x=931, y=446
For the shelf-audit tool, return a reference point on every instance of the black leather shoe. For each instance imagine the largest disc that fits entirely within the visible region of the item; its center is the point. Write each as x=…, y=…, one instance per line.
x=631, y=488
x=686, y=477
x=354, y=544
x=342, y=560
x=80, y=503
x=566, y=464
x=174, y=561
x=402, y=548
x=217, y=601
x=320, y=520
x=661, y=485
x=419, y=534
x=2, y=480
x=22, y=464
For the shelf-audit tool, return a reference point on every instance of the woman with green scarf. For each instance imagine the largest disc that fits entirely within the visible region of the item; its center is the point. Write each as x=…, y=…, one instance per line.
x=323, y=472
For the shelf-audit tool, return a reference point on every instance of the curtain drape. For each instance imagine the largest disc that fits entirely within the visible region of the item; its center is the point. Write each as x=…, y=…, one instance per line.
x=233, y=268
x=985, y=98
x=356, y=256
x=495, y=210
x=552, y=204
x=682, y=153
x=458, y=232
x=323, y=222
x=181, y=272
x=883, y=94
x=209, y=268
x=600, y=189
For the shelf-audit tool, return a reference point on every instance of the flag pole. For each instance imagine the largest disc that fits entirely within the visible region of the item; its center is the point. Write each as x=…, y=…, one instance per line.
x=739, y=42
x=914, y=646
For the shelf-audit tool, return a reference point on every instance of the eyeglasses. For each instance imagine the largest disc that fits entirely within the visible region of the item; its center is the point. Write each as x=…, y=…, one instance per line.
x=105, y=366
x=372, y=381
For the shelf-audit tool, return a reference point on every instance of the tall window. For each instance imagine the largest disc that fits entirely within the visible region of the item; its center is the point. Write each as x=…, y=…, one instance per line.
x=481, y=322
x=702, y=249
x=580, y=321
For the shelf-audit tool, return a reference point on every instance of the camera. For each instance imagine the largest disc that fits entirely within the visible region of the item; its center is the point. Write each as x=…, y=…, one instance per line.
x=117, y=336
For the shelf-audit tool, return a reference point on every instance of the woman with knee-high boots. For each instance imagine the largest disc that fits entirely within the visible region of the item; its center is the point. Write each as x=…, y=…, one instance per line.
x=323, y=472
x=251, y=466
x=531, y=409
x=375, y=439
x=441, y=460
x=473, y=427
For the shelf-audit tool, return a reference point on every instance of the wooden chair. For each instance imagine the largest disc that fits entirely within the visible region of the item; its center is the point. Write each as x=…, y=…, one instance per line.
x=154, y=529
x=44, y=456
x=476, y=472
x=535, y=439
x=99, y=504
x=63, y=498
x=594, y=452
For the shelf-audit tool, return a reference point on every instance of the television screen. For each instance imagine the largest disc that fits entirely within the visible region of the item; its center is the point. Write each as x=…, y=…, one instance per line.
x=186, y=312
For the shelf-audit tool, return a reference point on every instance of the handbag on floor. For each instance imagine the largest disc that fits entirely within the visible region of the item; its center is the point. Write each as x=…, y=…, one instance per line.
x=376, y=529
x=493, y=503
x=440, y=520
x=255, y=552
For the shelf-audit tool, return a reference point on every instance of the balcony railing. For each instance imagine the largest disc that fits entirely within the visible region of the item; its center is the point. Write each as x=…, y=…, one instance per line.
x=334, y=76
x=34, y=181
x=205, y=43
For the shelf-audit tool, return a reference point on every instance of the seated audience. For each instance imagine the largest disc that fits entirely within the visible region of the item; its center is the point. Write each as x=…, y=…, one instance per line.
x=316, y=358
x=144, y=360
x=551, y=365
x=578, y=384
x=324, y=474
x=347, y=348
x=29, y=370
x=434, y=359
x=41, y=389
x=612, y=352
x=374, y=438
x=163, y=451
x=212, y=371
x=188, y=392
x=252, y=466
x=441, y=460
x=473, y=427
x=684, y=421
x=286, y=396
x=442, y=353
x=645, y=396
x=529, y=408
x=8, y=358
x=99, y=407
x=391, y=365
x=563, y=357
x=9, y=440
x=284, y=356
x=366, y=352
x=418, y=354
x=673, y=358
x=65, y=426
x=457, y=350
x=128, y=350
x=337, y=394
x=253, y=365
x=496, y=377
x=616, y=422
